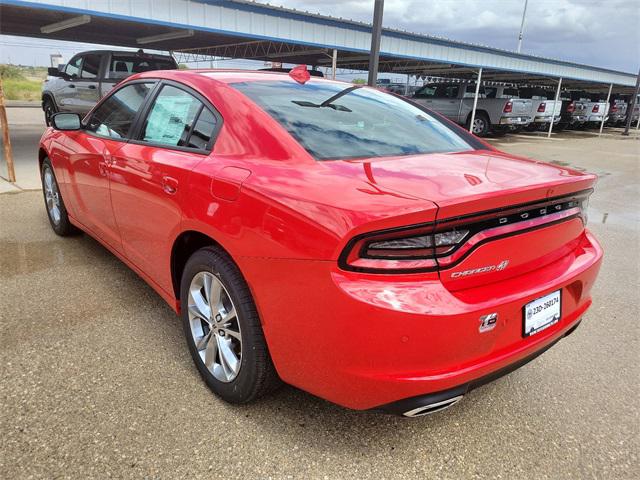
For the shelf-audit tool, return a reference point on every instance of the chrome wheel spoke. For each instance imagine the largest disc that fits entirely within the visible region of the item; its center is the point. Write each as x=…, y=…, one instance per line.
x=203, y=342
x=228, y=360
x=232, y=333
x=199, y=305
x=215, y=294
x=227, y=316
x=210, y=352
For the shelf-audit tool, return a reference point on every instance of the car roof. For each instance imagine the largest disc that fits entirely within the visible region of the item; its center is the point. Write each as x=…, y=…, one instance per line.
x=123, y=52
x=227, y=75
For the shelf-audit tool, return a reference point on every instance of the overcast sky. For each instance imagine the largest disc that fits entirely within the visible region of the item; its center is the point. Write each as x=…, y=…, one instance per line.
x=603, y=33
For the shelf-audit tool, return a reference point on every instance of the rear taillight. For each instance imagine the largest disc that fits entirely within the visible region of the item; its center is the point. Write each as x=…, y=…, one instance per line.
x=423, y=246
x=614, y=109
x=542, y=107
x=508, y=108
x=428, y=247
x=571, y=107
x=596, y=108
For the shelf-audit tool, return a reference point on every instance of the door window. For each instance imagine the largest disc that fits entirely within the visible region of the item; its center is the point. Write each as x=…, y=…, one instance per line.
x=114, y=117
x=90, y=66
x=73, y=67
x=178, y=119
x=451, y=91
x=427, y=91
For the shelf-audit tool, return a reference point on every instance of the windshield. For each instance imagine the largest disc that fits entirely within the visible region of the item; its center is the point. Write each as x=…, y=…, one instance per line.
x=336, y=121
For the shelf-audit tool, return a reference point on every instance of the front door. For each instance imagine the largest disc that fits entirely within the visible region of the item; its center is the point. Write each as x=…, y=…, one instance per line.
x=92, y=151
x=149, y=177
x=88, y=86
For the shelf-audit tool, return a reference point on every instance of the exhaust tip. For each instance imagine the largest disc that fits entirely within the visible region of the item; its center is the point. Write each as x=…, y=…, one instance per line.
x=430, y=408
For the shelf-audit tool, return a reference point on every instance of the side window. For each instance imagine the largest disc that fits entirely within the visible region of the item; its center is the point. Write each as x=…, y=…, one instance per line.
x=178, y=119
x=470, y=92
x=426, y=92
x=203, y=130
x=90, y=66
x=114, y=117
x=452, y=91
x=73, y=67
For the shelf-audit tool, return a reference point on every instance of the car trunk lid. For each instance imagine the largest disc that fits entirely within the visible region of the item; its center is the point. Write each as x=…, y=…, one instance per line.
x=487, y=186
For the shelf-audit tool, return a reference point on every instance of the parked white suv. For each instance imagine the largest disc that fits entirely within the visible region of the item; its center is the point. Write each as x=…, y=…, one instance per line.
x=89, y=76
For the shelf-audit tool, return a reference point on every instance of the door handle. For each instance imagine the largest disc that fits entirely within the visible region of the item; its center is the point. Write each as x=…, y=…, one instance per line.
x=92, y=87
x=169, y=185
x=71, y=85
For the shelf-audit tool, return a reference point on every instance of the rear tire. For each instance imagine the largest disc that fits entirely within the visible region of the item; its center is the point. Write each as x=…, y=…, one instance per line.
x=223, y=330
x=481, y=124
x=56, y=210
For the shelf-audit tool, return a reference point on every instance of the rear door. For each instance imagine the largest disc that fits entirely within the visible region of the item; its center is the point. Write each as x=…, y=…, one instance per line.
x=149, y=175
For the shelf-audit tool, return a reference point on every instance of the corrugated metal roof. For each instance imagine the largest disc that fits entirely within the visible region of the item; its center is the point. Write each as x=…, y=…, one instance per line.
x=297, y=37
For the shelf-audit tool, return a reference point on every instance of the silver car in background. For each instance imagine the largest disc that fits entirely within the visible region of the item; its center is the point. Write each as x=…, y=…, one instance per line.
x=77, y=86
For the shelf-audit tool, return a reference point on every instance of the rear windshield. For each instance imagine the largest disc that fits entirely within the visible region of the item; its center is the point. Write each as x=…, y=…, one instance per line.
x=123, y=66
x=337, y=121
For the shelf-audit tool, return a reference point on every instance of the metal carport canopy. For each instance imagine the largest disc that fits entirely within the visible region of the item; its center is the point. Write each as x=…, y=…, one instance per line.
x=239, y=29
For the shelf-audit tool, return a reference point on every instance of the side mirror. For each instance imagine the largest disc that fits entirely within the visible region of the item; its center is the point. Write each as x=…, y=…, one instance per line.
x=54, y=72
x=66, y=121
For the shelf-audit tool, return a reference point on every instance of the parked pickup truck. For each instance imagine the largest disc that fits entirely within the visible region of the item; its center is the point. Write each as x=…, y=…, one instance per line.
x=455, y=101
x=544, y=107
x=573, y=113
x=595, y=107
x=78, y=85
x=617, y=111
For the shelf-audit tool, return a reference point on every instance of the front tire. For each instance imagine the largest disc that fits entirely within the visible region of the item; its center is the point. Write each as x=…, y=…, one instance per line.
x=56, y=210
x=50, y=109
x=223, y=330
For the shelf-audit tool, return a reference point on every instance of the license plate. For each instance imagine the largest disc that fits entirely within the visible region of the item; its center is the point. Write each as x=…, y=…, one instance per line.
x=542, y=313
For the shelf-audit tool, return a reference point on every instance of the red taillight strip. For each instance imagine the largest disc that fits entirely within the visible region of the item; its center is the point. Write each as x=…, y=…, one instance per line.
x=505, y=230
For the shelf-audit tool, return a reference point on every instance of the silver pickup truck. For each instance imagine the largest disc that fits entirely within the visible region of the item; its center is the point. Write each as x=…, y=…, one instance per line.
x=544, y=108
x=455, y=101
x=89, y=76
x=617, y=111
x=594, y=107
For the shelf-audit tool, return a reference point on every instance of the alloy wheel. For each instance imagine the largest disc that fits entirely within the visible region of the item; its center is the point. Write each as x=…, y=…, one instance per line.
x=214, y=326
x=52, y=196
x=478, y=125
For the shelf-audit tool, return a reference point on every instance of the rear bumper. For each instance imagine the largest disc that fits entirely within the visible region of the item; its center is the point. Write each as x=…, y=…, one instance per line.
x=547, y=119
x=370, y=341
x=522, y=120
x=413, y=404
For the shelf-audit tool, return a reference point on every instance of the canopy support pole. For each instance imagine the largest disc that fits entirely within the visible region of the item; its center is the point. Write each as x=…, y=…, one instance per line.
x=630, y=108
x=475, y=100
x=334, y=63
x=606, y=108
x=555, y=105
x=376, y=33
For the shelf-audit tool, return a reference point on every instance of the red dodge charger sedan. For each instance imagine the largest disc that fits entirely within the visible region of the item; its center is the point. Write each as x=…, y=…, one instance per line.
x=331, y=236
